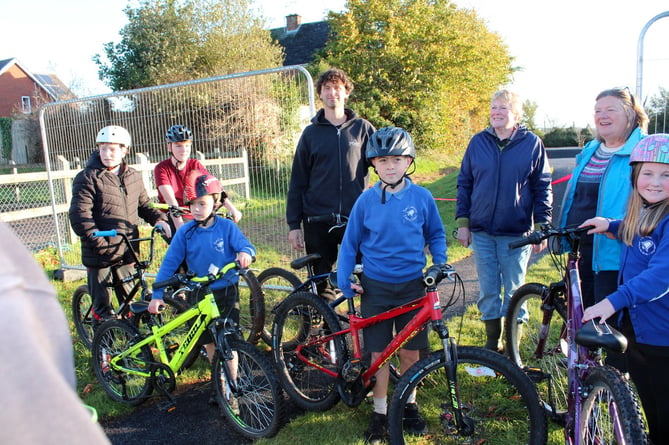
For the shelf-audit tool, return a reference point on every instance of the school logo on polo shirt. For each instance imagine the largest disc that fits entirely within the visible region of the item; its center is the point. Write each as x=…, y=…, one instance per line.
x=647, y=246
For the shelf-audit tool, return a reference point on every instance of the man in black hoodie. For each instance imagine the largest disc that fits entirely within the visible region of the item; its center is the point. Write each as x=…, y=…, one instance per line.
x=329, y=172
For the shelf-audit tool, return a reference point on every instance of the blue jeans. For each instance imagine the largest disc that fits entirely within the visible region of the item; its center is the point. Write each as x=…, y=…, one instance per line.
x=497, y=267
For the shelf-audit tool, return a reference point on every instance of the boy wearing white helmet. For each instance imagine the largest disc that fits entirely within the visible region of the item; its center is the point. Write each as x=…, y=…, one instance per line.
x=108, y=194
x=170, y=175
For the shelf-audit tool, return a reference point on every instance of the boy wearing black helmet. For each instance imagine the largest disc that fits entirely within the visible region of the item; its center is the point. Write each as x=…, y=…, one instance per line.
x=170, y=174
x=389, y=226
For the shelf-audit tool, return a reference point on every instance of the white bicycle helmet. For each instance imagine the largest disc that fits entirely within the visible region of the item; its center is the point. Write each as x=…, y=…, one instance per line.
x=113, y=134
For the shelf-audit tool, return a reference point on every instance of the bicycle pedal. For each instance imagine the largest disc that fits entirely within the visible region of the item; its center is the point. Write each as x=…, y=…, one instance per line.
x=167, y=406
x=536, y=375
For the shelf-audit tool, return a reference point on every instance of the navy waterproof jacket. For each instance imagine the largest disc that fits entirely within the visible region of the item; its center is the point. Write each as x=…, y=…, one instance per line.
x=504, y=191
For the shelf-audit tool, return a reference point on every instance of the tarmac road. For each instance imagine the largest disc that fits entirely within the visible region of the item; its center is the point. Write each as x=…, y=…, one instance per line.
x=196, y=422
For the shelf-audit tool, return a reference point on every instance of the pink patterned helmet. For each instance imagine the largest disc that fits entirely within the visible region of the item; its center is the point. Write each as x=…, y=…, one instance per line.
x=653, y=148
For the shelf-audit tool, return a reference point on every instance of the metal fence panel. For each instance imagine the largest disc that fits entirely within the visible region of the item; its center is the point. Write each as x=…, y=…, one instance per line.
x=245, y=126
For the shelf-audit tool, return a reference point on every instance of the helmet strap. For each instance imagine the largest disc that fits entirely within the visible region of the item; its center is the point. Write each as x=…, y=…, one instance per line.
x=392, y=186
x=205, y=221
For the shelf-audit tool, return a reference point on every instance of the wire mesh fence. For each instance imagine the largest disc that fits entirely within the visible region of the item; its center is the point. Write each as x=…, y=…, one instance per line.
x=245, y=128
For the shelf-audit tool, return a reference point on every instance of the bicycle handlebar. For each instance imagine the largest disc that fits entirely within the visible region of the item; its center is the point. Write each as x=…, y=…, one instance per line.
x=189, y=277
x=128, y=242
x=435, y=274
x=333, y=218
x=547, y=232
x=181, y=211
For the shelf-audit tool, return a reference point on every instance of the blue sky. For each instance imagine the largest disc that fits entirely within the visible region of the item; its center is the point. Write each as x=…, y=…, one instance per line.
x=568, y=51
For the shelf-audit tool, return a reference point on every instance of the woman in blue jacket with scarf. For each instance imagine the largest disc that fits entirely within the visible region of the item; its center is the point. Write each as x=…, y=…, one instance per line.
x=504, y=190
x=600, y=185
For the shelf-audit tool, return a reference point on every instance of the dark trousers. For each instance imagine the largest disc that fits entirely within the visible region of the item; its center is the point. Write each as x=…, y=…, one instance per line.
x=318, y=238
x=648, y=367
x=98, y=286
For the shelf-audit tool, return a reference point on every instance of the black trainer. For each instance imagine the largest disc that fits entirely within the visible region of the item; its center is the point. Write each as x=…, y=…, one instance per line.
x=413, y=422
x=377, y=431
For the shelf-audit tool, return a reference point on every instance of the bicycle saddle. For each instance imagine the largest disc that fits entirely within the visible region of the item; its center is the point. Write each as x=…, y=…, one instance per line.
x=300, y=262
x=138, y=307
x=595, y=335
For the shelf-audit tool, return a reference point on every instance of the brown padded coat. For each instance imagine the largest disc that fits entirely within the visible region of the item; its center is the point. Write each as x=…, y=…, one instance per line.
x=102, y=200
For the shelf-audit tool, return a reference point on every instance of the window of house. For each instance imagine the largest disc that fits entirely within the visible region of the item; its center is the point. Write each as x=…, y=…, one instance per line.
x=25, y=104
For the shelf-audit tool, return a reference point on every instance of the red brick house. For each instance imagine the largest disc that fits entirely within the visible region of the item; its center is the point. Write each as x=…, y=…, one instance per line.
x=23, y=92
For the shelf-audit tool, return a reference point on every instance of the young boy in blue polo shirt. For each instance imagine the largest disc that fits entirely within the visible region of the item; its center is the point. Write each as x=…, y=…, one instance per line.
x=389, y=226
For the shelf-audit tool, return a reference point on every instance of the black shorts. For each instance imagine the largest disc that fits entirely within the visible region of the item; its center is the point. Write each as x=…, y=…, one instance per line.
x=379, y=297
x=227, y=300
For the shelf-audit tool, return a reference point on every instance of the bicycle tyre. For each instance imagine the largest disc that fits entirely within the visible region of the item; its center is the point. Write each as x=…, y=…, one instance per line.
x=522, y=341
x=498, y=399
x=276, y=284
x=610, y=407
x=251, y=307
x=113, y=337
x=82, y=306
x=302, y=317
x=260, y=407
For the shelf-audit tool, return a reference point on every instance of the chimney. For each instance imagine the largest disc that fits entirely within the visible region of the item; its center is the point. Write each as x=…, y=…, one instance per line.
x=293, y=22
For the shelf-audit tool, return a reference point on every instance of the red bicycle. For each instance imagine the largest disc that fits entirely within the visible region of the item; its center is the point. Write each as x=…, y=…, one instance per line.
x=467, y=394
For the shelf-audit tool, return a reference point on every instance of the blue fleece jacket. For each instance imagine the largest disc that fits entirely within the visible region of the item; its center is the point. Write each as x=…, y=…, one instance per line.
x=504, y=192
x=201, y=247
x=644, y=284
x=391, y=237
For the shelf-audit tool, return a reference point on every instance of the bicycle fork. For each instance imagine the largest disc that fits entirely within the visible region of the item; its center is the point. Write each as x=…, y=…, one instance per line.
x=454, y=422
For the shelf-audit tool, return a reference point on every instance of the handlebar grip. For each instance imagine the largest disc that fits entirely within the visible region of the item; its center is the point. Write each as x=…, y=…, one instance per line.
x=100, y=233
x=532, y=238
x=321, y=218
x=432, y=276
x=172, y=281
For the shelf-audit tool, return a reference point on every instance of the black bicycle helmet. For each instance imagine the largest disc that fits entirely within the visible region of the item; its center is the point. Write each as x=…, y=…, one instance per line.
x=390, y=141
x=179, y=133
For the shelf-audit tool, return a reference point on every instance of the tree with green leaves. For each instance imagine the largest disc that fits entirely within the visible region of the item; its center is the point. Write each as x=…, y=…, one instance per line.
x=168, y=41
x=658, y=112
x=424, y=65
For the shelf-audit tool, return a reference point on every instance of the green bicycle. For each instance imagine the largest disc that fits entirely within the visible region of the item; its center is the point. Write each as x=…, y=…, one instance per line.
x=130, y=365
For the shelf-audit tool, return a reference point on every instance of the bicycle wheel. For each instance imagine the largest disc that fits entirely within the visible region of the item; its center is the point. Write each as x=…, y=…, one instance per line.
x=545, y=363
x=112, y=338
x=610, y=413
x=82, y=306
x=276, y=284
x=499, y=402
x=251, y=307
x=257, y=410
x=302, y=318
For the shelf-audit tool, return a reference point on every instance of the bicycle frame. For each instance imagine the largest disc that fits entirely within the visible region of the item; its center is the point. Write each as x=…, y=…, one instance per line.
x=580, y=359
x=202, y=314
x=430, y=311
x=205, y=311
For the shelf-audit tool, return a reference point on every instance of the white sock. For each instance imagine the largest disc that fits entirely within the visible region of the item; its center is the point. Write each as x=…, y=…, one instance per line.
x=381, y=405
x=412, y=397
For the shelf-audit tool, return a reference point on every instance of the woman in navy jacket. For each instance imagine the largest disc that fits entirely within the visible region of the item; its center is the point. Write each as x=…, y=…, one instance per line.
x=504, y=190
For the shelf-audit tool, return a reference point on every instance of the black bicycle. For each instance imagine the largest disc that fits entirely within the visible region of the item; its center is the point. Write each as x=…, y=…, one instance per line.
x=127, y=289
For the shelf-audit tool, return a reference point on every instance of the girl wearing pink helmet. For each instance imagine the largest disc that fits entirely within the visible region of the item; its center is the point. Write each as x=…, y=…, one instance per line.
x=642, y=297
